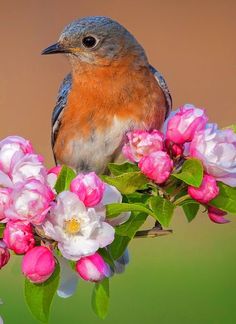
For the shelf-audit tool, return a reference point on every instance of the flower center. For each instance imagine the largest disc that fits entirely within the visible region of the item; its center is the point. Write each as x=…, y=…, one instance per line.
x=72, y=226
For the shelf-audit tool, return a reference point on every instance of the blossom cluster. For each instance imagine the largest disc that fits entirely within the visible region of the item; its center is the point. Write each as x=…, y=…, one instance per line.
x=82, y=223
x=34, y=216
x=187, y=134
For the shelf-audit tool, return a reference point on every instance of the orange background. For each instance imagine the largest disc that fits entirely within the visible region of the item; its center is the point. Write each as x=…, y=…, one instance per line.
x=191, y=42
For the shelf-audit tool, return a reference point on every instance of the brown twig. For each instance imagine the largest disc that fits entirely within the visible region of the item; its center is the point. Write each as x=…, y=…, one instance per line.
x=151, y=233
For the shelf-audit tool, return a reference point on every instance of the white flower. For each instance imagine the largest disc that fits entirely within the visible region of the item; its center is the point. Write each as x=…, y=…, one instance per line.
x=111, y=196
x=79, y=231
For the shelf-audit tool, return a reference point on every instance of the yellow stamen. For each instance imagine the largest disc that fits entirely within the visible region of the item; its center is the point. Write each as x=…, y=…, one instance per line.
x=72, y=226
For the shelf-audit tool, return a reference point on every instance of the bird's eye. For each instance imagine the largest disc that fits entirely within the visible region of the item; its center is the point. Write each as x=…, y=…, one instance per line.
x=89, y=41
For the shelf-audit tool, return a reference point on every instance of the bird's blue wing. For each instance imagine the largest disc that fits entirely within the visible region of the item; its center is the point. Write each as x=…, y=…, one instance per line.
x=162, y=83
x=60, y=105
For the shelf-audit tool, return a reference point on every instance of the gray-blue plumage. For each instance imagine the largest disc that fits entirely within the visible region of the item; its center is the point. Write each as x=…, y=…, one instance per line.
x=65, y=89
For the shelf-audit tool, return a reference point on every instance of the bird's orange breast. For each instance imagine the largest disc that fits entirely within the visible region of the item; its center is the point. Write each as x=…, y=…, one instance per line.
x=102, y=93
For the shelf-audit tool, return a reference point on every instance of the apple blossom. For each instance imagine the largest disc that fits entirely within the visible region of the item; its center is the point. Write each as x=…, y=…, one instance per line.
x=79, y=231
x=206, y=192
x=38, y=264
x=4, y=254
x=217, y=151
x=19, y=237
x=29, y=201
x=12, y=148
x=89, y=188
x=4, y=200
x=217, y=216
x=92, y=268
x=156, y=166
x=141, y=143
x=182, y=126
x=53, y=174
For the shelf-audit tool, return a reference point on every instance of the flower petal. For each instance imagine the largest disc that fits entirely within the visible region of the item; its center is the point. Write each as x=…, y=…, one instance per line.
x=69, y=280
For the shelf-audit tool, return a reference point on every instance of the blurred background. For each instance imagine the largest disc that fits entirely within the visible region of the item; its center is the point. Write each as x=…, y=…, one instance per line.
x=188, y=277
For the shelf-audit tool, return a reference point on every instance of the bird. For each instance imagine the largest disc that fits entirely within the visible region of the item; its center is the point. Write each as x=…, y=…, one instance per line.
x=111, y=90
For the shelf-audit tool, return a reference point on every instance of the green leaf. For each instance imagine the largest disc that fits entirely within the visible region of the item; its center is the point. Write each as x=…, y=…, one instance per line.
x=127, y=183
x=118, y=169
x=125, y=233
x=130, y=227
x=118, y=246
x=226, y=200
x=233, y=127
x=191, y=172
x=191, y=210
x=39, y=296
x=137, y=197
x=100, y=298
x=64, y=179
x=163, y=210
x=2, y=227
x=115, y=209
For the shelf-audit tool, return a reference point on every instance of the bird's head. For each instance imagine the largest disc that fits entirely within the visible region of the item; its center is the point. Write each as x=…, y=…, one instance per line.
x=97, y=40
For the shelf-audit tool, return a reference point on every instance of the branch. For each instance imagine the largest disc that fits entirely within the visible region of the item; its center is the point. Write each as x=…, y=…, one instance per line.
x=151, y=233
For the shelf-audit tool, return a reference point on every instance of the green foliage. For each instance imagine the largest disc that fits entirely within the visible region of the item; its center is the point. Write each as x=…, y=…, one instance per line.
x=107, y=257
x=191, y=172
x=39, y=296
x=226, y=200
x=190, y=210
x=163, y=210
x=100, y=298
x=2, y=227
x=127, y=183
x=118, y=246
x=130, y=227
x=118, y=169
x=115, y=209
x=64, y=179
x=125, y=233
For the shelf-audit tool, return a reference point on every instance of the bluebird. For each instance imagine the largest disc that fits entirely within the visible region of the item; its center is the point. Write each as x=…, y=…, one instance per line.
x=111, y=90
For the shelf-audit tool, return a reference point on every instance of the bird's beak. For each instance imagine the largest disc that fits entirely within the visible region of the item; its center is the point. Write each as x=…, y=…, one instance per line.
x=55, y=49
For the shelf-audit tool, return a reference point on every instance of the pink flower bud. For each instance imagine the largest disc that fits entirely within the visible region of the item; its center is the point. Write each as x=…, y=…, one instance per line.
x=206, y=192
x=38, y=264
x=217, y=215
x=92, y=268
x=156, y=166
x=89, y=188
x=185, y=123
x=18, y=237
x=174, y=149
x=12, y=148
x=142, y=143
x=30, y=201
x=4, y=254
x=4, y=200
x=53, y=175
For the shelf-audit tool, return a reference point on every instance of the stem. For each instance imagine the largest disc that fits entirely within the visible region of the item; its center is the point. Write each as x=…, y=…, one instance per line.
x=181, y=199
x=151, y=233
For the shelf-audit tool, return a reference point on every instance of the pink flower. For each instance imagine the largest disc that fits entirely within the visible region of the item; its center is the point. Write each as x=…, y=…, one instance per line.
x=89, y=188
x=38, y=264
x=92, y=268
x=18, y=237
x=217, y=215
x=217, y=151
x=30, y=201
x=53, y=174
x=4, y=254
x=12, y=148
x=142, y=143
x=206, y=192
x=156, y=166
x=4, y=200
x=185, y=123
